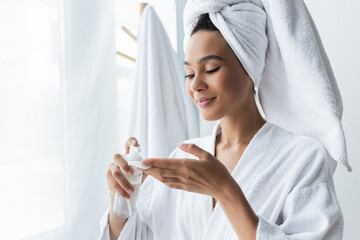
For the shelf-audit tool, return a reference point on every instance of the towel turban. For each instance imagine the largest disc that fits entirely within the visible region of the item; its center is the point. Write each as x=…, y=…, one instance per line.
x=278, y=45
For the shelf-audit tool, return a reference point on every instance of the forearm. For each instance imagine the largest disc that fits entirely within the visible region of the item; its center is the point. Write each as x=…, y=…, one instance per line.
x=238, y=210
x=116, y=224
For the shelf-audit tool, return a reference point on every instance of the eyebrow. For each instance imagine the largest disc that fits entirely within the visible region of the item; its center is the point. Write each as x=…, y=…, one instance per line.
x=205, y=59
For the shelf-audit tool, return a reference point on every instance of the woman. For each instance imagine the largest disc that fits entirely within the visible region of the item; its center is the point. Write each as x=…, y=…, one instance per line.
x=250, y=179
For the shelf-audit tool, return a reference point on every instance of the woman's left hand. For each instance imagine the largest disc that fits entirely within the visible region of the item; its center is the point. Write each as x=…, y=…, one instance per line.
x=206, y=175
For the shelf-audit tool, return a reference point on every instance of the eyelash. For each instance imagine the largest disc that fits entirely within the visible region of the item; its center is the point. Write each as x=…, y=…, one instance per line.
x=210, y=71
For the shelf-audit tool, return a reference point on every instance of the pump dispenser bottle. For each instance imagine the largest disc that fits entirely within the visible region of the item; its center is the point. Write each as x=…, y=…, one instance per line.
x=124, y=207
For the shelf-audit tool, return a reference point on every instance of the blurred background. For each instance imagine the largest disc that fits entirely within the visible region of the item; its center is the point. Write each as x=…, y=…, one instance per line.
x=64, y=106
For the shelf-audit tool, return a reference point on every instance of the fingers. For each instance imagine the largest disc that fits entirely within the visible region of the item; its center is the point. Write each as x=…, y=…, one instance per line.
x=131, y=141
x=171, y=163
x=122, y=163
x=121, y=179
x=114, y=185
x=195, y=150
x=115, y=177
x=171, y=177
x=118, y=182
x=160, y=173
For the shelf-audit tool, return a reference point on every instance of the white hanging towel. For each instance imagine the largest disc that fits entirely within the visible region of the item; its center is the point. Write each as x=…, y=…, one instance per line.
x=162, y=114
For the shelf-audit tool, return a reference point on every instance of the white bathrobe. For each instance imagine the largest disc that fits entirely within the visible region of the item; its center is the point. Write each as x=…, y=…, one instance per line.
x=285, y=178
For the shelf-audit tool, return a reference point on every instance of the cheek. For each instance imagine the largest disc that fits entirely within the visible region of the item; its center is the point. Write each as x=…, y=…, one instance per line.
x=231, y=87
x=225, y=83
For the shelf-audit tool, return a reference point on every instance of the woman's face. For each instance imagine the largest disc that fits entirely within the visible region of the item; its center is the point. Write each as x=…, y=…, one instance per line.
x=214, y=72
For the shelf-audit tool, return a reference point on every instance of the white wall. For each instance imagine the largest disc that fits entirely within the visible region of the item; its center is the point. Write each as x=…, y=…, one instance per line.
x=339, y=28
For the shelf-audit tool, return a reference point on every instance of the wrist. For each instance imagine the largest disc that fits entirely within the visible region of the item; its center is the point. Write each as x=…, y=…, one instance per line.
x=116, y=224
x=228, y=188
x=232, y=199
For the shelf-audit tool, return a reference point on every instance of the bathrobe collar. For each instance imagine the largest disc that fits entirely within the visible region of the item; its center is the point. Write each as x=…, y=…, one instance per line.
x=240, y=173
x=256, y=138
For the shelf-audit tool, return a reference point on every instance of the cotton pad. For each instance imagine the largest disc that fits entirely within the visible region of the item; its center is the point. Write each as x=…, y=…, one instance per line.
x=134, y=159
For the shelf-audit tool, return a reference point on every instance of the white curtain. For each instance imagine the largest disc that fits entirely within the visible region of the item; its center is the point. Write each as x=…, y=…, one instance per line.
x=58, y=119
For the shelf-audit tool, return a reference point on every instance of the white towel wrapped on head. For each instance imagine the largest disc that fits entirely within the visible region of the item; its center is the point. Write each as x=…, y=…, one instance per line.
x=278, y=45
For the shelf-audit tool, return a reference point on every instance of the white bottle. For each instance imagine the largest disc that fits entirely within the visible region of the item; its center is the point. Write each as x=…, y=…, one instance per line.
x=124, y=207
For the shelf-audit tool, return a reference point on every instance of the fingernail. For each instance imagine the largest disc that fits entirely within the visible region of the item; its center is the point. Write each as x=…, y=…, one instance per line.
x=182, y=145
x=134, y=141
x=131, y=172
x=131, y=190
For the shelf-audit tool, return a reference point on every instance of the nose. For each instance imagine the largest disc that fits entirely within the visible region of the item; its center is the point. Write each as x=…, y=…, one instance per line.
x=198, y=84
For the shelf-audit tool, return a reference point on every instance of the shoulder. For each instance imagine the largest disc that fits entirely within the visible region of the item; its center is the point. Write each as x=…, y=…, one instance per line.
x=291, y=144
x=304, y=157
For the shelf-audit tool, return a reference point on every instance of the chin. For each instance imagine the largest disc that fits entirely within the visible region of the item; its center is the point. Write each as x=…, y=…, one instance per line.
x=210, y=117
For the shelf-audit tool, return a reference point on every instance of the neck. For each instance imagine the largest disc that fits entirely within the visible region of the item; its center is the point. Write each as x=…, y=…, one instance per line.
x=237, y=129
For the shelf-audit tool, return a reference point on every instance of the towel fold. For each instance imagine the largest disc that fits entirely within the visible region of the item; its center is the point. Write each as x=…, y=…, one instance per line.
x=280, y=48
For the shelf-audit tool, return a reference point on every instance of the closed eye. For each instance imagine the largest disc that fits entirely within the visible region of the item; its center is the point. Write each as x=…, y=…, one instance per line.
x=189, y=76
x=213, y=70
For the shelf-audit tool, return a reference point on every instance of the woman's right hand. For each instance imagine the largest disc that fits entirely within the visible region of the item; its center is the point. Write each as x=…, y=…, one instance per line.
x=117, y=182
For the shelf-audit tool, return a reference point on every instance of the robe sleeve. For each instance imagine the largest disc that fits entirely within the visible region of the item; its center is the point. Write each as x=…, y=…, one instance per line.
x=135, y=227
x=311, y=210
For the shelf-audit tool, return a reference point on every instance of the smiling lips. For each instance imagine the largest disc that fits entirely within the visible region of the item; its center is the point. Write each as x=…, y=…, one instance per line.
x=203, y=102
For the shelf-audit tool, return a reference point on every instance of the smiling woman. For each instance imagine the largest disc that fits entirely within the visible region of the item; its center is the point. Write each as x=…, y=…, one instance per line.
x=214, y=72
x=252, y=178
